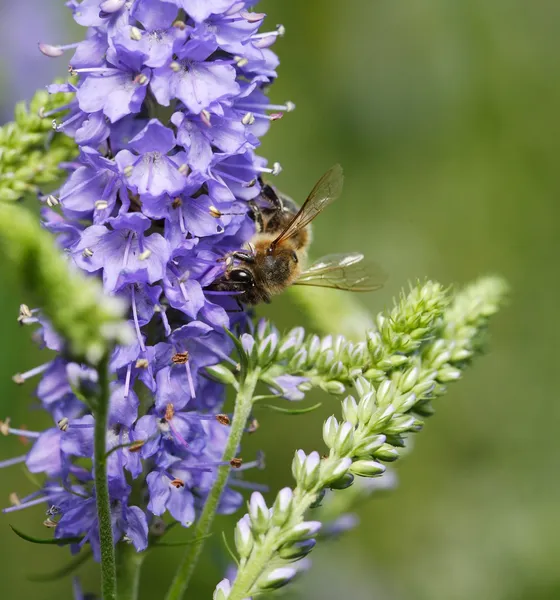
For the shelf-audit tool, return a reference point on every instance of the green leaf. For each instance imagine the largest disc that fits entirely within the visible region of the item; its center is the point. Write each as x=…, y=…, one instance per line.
x=244, y=362
x=51, y=541
x=291, y=411
x=230, y=551
x=63, y=571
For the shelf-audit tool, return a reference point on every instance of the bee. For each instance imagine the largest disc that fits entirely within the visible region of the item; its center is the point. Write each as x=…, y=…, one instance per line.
x=276, y=256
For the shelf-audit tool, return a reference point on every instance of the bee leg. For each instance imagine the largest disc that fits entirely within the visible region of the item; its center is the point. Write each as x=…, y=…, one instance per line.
x=243, y=256
x=270, y=194
x=256, y=214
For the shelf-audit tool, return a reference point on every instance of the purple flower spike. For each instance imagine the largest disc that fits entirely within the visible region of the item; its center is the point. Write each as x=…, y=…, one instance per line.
x=153, y=203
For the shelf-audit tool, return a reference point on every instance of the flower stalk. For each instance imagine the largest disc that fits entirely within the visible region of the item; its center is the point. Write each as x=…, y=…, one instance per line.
x=108, y=564
x=129, y=568
x=242, y=411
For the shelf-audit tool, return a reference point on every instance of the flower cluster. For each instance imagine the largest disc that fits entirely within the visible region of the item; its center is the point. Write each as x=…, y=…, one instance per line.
x=167, y=109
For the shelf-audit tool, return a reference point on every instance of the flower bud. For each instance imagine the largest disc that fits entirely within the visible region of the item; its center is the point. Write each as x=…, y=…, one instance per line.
x=297, y=464
x=302, y=531
x=330, y=428
x=334, y=470
x=381, y=417
x=387, y=453
x=282, y=506
x=313, y=348
x=267, y=348
x=222, y=374
x=344, y=440
x=367, y=468
x=366, y=407
x=333, y=387
x=344, y=482
x=222, y=590
x=277, y=578
x=324, y=360
x=297, y=549
x=258, y=513
x=448, y=374
x=370, y=444
x=309, y=474
x=336, y=370
x=350, y=410
x=243, y=536
x=406, y=402
x=385, y=392
x=404, y=423
x=409, y=379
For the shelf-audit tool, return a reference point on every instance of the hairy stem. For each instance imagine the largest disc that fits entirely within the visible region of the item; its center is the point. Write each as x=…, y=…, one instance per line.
x=108, y=567
x=243, y=405
x=129, y=563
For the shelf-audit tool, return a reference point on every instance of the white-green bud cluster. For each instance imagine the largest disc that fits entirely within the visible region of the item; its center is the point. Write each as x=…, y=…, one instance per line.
x=421, y=345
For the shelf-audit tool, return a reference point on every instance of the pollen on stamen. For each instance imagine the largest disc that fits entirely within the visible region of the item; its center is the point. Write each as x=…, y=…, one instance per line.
x=135, y=34
x=87, y=253
x=205, y=117
x=177, y=202
x=18, y=378
x=141, y=79
x=145, y=255
x=175, y=66
x=184, y=169
x=223, y=419
x=14, y=499
x=72, y=71
x=253, y=426
x=50, y=523
x=142, y=363
x=181, y=25
x=52, y=201
x=136, y=446
x=5, y=426
x=101, y=204
x=180, y=358
x=178, y=483
x=24, y=313
x=248, y=118
x=214, y=212
x=63, y=424
x=128, y=170
x=169, y=412
x=236, y=462
x=241, y=61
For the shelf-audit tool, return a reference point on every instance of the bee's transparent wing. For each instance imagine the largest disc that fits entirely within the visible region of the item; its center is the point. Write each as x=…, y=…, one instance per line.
x=326, y=190
x=344, y=272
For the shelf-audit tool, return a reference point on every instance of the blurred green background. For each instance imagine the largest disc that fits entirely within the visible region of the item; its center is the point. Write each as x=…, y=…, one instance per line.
x=445, y=118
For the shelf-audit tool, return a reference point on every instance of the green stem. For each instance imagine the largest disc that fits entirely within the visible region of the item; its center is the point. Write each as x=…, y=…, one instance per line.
x=129, y=563
x=108, y=568
x=243, y=405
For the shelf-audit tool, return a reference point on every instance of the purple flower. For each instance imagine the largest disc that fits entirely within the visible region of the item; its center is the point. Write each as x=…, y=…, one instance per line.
x=195, y=79
x=123, y=250
x=151, y=171
x=154, y=201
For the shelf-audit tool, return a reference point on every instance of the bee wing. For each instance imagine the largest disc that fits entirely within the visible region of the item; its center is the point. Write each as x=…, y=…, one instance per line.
x=326, y=191
x=344, y=272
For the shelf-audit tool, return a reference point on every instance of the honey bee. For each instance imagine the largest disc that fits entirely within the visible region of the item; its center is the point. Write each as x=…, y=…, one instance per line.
x=275, y=257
